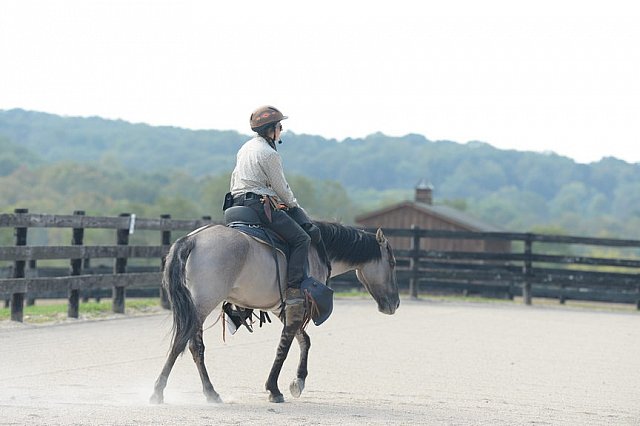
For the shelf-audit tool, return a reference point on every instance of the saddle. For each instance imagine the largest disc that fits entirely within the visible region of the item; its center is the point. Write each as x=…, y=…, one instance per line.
x=319, y=296
x=246, y=220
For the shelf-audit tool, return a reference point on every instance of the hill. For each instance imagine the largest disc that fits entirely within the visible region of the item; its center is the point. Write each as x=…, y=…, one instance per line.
x=518, y=190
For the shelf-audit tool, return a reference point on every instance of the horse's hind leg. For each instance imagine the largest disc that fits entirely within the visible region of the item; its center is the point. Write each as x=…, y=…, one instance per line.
x=161, y=382
x=196, y=346
x=297, y=386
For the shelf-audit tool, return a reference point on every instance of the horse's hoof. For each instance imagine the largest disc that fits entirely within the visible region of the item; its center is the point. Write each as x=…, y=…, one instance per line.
x=156, y=399
x=296, y=387
x=214, y=399
x=276, y=398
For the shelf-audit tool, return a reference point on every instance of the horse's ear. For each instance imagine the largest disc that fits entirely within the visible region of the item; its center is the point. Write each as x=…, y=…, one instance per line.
x=380, y=236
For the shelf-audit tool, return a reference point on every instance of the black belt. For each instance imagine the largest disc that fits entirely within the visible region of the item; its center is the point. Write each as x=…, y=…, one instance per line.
x=240, y=199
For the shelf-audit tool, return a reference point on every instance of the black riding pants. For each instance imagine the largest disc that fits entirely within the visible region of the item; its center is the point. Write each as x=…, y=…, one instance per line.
x=292, y=233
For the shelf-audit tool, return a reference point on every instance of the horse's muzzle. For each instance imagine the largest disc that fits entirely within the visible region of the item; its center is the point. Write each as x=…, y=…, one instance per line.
x=389, y=307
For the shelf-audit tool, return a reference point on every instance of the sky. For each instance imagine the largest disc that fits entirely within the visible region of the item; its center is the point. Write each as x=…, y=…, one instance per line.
x=544, y=76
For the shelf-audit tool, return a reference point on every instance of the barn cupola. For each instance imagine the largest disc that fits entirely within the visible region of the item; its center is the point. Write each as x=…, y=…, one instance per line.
x=424, y=192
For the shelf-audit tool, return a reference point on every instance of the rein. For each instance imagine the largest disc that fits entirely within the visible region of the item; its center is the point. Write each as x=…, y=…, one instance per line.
x=365, y=281
x=392, y=264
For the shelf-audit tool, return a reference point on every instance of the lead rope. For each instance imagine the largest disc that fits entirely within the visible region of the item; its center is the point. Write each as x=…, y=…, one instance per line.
x=224, y=327
x=313, y=311
x=220, y=317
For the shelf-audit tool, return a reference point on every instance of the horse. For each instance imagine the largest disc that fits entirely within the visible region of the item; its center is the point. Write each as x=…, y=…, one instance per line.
x=219, y=263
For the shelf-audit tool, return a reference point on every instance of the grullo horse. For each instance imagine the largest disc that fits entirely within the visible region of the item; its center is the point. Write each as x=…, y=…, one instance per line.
x=219, y=263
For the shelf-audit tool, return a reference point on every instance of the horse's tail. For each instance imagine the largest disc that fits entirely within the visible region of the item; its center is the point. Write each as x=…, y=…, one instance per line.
x=174, y=280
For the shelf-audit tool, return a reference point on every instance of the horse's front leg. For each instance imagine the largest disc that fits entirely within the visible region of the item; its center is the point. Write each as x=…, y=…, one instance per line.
x=297, y=386
x=293, y=324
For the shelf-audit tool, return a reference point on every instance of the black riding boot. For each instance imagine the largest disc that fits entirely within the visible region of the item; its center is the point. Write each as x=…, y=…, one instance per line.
x=301, y=218
x=298, y=241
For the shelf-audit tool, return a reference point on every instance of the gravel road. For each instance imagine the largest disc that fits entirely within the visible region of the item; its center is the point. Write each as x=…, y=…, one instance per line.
x=430, y=363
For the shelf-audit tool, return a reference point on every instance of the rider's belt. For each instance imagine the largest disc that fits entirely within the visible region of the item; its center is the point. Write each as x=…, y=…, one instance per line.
x=240, y=199
x=265, y=199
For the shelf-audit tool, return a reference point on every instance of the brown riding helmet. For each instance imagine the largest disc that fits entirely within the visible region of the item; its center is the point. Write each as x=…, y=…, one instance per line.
x=265, y=115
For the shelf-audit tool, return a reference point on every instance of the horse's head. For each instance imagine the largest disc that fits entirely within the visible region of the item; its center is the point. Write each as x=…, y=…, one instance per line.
x=379, y=277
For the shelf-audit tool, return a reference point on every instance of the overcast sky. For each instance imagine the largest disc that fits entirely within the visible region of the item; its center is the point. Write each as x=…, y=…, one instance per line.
x=561, y=76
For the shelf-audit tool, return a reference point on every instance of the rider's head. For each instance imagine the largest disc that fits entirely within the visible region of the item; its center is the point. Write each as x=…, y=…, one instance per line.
x=265, y=121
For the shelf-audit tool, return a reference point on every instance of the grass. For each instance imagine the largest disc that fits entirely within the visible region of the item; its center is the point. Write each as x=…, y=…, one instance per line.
x=361, y=293
x=45, y=311
x=48, y=311
x=537, y=301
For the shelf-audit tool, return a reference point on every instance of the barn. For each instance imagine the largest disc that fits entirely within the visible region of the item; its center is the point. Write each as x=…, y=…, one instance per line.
x=424, y=213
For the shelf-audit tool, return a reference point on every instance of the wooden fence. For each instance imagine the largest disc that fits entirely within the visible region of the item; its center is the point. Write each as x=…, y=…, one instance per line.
x=20, y=284
x=490, y=274
x=531, y=274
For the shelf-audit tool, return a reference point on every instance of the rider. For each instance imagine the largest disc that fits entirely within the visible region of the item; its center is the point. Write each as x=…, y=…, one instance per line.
x=258, y=182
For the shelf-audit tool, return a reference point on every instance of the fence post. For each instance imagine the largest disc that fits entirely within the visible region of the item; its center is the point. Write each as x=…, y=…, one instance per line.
x=31, y=272
x=527, y=270
x=77, y=238
x=120, y=267
x=86, y=265
x=17, y=299
x=165, y=240
x=206, y=218
x=415, y=262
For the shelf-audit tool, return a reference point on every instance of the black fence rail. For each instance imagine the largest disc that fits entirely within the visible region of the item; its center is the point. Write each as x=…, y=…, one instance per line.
x=24, y=257
x=529, y=273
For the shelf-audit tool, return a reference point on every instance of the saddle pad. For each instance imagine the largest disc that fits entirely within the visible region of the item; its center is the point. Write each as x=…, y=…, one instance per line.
x=202, y=228
x=259, y=233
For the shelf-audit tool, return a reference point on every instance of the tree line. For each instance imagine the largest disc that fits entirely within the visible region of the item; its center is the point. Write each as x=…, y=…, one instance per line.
x=54, y=164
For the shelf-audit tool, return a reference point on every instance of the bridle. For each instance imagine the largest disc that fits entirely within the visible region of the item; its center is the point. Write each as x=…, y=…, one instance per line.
x=392, y=258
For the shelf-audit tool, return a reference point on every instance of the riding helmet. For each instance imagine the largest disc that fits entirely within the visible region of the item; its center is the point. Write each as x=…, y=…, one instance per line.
x=265, y=115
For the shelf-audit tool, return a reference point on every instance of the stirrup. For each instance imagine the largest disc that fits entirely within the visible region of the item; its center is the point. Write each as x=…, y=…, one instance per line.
x=238, y=316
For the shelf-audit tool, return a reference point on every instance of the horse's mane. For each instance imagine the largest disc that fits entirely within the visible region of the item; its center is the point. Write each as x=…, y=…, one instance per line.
x=348, y=244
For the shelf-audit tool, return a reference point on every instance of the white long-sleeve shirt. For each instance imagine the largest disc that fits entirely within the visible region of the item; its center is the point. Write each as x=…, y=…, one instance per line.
x=259, y=170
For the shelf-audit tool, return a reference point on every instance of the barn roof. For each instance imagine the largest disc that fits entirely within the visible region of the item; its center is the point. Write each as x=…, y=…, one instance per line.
x=443, y=212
